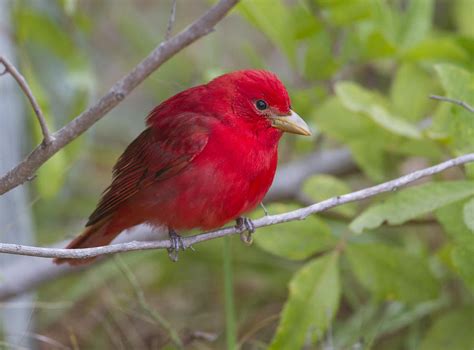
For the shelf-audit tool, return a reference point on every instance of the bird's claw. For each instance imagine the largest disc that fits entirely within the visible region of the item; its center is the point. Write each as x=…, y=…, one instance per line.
x=246, y=228
x=177, y=244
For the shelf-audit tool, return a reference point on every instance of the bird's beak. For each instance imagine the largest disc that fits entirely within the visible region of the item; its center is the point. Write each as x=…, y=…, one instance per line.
x=292, y=123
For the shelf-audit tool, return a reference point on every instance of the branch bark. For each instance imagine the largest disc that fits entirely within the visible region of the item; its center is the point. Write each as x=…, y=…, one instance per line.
x=10, y=68
x=454, y=101
x=199, y=28
x=299, y=214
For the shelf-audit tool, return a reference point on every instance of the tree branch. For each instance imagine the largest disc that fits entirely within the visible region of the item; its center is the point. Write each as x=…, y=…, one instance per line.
x=452, y=100
x=10, y=68
x=199, y=28
x=31, y=273
x=299, y=214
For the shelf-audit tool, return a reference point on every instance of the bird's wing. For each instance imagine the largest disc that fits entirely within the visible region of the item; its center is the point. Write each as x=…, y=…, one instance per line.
x=158, y=153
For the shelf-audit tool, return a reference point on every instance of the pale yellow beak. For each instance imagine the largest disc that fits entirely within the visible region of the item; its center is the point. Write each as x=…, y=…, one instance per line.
x=292, y=123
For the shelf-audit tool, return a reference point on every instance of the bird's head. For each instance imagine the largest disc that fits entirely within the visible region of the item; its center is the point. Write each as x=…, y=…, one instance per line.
x=259, y=97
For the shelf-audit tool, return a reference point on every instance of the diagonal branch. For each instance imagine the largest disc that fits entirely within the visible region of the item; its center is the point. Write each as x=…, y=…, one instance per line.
x=453, y=100
x=163, y=52
x=10, y=68
x=299, y=214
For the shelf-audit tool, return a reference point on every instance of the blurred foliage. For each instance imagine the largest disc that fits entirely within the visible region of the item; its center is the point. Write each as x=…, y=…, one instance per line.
x=394, y=272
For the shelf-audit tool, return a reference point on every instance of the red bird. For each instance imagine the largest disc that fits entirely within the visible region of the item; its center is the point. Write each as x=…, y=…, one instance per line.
x=209, y=155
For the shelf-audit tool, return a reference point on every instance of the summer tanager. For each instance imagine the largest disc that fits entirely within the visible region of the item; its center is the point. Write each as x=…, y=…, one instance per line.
x=208, y=155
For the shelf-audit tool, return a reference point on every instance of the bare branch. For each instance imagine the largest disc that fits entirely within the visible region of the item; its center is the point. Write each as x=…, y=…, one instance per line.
x=171, y=20
x=10, y=68
x=452, y=100
x=163, y=52
x=30, y=273
x=33, y=272
x=299, y=214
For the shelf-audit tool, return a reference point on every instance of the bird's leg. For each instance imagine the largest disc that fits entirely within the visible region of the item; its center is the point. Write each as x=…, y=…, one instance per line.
x=246, y=228
x=176, y=244
x=264, y=209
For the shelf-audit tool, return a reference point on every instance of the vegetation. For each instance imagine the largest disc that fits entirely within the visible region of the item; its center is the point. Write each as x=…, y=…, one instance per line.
x=392, y=272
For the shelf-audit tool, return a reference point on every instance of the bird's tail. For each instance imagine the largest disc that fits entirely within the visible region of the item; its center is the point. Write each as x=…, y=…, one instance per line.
x=96, y=235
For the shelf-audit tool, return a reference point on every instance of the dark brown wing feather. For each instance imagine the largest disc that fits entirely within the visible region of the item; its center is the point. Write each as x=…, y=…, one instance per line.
x=156, y=154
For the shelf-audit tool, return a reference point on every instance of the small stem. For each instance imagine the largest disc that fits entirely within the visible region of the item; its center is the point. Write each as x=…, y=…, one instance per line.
x=171, y=20
x=160, y=320
x=453, y=100
x=264, y=208
x=230, y=328
x=10, y=68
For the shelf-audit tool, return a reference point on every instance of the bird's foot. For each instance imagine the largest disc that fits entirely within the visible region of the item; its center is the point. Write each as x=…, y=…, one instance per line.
x=176, y=245
x=246, y=228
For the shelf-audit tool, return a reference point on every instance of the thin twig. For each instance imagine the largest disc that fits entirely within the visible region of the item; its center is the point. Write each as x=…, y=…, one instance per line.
x=455, y=101
x=122, y=88
x=23, y=276
x=299, y=214
x=160, y=320
x=171, y=20
x=10, y=68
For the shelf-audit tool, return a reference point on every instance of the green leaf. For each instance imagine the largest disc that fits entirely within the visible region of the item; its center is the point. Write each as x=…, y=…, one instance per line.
x=409, y=92
x=311, y=305
x=452, y=330
x=391, y=273
x=321, y=187
x=462, y=253
x=403, y=28
x=463, y=259
x=307, y=24
x=378, y=322
x=273, y=19
x=33, y=26
x=320, y=62
x=451, y=218
x=411, y=203
x=425, y=148
x=295, y=240
x=386, y=19
x=372, y=158
x=458, y=82
x=358, y=99
x=457, y=122
x=366, y=139
x=463, y=10
x=343, y=13
x=415, y=23
x=437, y=49
x=377, y=46
x=469, y=214
x=339, y=122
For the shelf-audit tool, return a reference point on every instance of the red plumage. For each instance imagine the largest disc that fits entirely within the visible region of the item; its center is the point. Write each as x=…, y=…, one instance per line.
x=209, y=154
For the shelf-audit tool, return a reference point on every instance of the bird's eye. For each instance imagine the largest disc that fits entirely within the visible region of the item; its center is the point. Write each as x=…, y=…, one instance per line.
x=261, y=105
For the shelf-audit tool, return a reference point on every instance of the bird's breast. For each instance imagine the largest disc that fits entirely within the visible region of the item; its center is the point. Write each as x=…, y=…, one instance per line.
x=228, y=178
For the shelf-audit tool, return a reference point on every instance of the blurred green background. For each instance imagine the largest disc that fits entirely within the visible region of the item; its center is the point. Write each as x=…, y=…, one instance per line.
x=392, y=272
